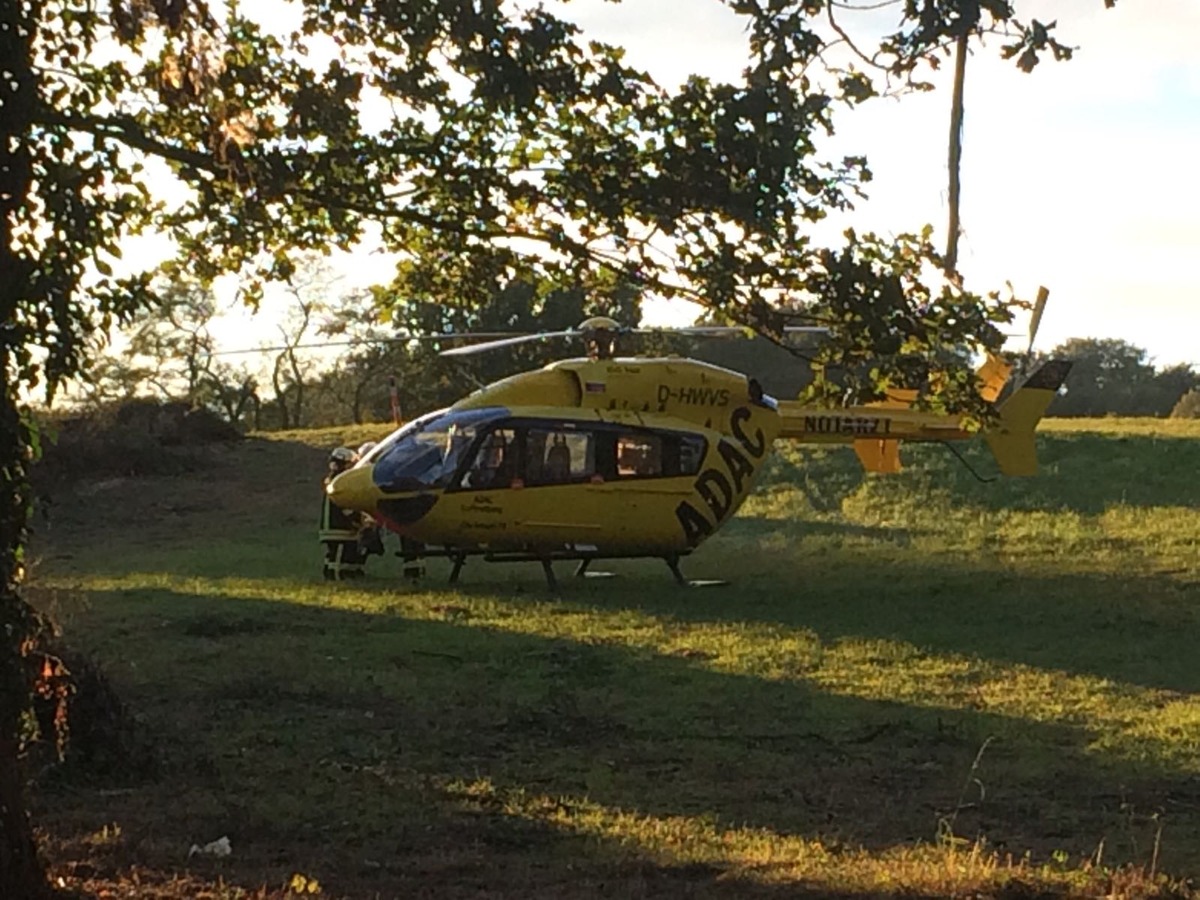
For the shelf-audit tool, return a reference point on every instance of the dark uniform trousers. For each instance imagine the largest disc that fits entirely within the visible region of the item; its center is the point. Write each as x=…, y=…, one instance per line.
x=339, y=532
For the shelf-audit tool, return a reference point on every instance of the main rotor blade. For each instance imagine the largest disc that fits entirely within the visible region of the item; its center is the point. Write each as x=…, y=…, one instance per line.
x=730, y=330
x=358, y=342
x=698, y=330
x=506, y=342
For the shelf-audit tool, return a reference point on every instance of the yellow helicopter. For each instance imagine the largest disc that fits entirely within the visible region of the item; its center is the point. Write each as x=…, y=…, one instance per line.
x=608, y=457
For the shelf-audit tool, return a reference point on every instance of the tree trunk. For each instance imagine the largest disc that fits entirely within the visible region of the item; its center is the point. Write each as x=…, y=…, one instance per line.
x=21, y=874
x=358, y=401
x=245, y=396
x=298, y=381
x=21, y=871
x=280, y=400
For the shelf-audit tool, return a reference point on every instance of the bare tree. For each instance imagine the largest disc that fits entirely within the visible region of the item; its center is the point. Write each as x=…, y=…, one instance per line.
x=172, y=354
x=292, y=368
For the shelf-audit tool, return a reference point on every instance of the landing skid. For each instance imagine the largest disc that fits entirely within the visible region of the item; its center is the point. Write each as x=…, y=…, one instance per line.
x=673, y=564
x=585, y=556
x=582, y=570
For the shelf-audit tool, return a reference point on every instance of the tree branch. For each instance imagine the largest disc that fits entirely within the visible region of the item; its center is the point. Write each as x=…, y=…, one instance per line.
x=130, y=133
x=870, y=61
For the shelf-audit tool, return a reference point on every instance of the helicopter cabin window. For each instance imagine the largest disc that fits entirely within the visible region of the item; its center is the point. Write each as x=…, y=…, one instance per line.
x=426, y=453
x=559, y=456
x=658, y=454
x=640, y=456
x=691, y=453
x=496, y=463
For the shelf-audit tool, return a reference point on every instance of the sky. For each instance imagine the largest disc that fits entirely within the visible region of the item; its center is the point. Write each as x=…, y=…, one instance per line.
x=1081, y=176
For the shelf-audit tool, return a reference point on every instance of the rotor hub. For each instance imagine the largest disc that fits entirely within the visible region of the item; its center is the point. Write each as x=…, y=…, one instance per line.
x=600, y=335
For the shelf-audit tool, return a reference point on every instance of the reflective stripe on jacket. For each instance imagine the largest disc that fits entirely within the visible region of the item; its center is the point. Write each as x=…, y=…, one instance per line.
x=337, y=524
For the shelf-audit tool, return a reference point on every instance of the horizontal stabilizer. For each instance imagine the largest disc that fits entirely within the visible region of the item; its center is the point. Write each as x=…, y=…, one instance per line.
x=992, y=375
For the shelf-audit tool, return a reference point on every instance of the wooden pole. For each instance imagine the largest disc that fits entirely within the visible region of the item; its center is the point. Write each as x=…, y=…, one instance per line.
x=955, y=154
x=394, y=396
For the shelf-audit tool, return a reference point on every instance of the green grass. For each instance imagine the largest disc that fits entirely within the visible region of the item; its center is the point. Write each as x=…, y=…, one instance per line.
x=915, y=685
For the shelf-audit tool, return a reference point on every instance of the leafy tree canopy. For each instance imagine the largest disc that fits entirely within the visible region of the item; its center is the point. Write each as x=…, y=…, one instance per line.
x=1114, y=377
x=481, y=143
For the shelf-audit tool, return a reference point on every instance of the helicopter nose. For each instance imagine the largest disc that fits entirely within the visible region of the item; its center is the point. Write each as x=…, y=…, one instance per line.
x=355, y=489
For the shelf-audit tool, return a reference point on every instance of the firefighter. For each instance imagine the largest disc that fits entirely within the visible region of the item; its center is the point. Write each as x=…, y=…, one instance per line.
x=340, y=529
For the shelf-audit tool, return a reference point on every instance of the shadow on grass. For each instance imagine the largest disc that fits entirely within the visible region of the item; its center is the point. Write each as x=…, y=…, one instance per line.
x=752, y=526
x=401, y=757
x=1079, y=472
x=1140, y=630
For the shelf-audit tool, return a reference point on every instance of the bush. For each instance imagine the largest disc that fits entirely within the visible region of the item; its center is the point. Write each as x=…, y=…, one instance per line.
x=1188, y=406
x=134, y=437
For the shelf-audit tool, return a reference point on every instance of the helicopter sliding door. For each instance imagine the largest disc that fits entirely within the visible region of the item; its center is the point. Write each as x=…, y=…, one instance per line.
x=563, y=485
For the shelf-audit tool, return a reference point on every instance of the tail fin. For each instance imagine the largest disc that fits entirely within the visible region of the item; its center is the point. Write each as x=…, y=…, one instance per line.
x=1011, y=439
x=992, y=377
x=876, y=455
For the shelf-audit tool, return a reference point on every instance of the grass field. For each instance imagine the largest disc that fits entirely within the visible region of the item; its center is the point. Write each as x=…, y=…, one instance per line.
x=917, y=685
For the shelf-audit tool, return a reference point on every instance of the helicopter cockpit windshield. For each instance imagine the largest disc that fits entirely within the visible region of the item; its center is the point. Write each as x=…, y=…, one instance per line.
x=427, y=452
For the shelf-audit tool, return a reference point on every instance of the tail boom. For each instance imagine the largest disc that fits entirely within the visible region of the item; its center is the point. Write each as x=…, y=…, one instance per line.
x=816, y=425
x=877, y=429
